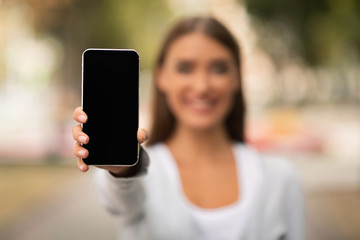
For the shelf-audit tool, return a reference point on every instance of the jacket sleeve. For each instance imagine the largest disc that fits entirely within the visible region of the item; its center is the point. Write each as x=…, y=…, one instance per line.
x=123, y=197
x=295, y=209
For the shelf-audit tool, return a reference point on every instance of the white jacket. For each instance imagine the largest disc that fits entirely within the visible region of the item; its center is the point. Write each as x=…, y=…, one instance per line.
x=152, y=204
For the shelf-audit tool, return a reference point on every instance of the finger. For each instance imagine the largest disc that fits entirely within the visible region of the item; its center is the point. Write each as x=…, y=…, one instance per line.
x=79, y=115
x=82, y=166
x=143, y=135
x=79, y=135
x=80, y=151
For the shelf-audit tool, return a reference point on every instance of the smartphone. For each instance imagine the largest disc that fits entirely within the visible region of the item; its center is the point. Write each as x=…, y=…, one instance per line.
x=110, y=98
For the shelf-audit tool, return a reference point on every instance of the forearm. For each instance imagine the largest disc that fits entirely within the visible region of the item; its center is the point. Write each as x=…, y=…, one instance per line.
x=123, y=194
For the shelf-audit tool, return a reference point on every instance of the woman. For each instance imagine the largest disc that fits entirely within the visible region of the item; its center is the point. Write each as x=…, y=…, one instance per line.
x=203, y=182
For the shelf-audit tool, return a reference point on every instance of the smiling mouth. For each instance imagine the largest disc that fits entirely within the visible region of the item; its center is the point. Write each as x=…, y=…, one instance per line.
x=201, y=105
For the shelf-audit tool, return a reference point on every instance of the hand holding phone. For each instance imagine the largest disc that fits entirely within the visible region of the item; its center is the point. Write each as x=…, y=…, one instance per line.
x=81, y=138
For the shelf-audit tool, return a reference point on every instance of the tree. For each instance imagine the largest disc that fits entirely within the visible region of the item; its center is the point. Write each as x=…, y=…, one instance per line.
x=322, y=32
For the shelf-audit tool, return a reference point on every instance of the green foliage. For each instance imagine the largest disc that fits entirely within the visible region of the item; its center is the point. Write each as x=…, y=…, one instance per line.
x=322, y=32
x=81, y=24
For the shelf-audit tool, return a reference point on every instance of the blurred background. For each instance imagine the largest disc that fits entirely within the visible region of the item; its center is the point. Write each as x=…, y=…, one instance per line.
x=302, y=85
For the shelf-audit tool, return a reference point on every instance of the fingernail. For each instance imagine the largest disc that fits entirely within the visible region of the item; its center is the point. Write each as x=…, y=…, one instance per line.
x=82, y=139
x=82, y=167
x=145, y=137
x=82, y=118
x=82, y=153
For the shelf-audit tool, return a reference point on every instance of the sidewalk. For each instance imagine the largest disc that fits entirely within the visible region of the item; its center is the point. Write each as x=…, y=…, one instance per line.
x=65, y=207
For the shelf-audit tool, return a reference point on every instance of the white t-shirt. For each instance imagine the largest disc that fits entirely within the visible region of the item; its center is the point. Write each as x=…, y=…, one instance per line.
x=153, y=205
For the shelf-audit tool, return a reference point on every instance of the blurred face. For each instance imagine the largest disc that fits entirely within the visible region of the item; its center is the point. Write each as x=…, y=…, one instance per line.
x=199, y=79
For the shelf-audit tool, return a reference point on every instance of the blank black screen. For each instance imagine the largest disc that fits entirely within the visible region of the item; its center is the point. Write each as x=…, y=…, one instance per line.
x=110, y=98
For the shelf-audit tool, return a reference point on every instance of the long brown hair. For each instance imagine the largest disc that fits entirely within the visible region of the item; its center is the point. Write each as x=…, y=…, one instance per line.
x=163, y=121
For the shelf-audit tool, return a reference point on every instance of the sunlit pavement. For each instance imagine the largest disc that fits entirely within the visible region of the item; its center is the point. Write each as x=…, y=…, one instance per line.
x=43, y=203
x=59, y=202
x=332, y=195
x=333, y=215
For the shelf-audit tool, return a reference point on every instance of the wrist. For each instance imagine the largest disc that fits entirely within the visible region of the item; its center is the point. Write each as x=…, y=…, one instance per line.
x=126, y=172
